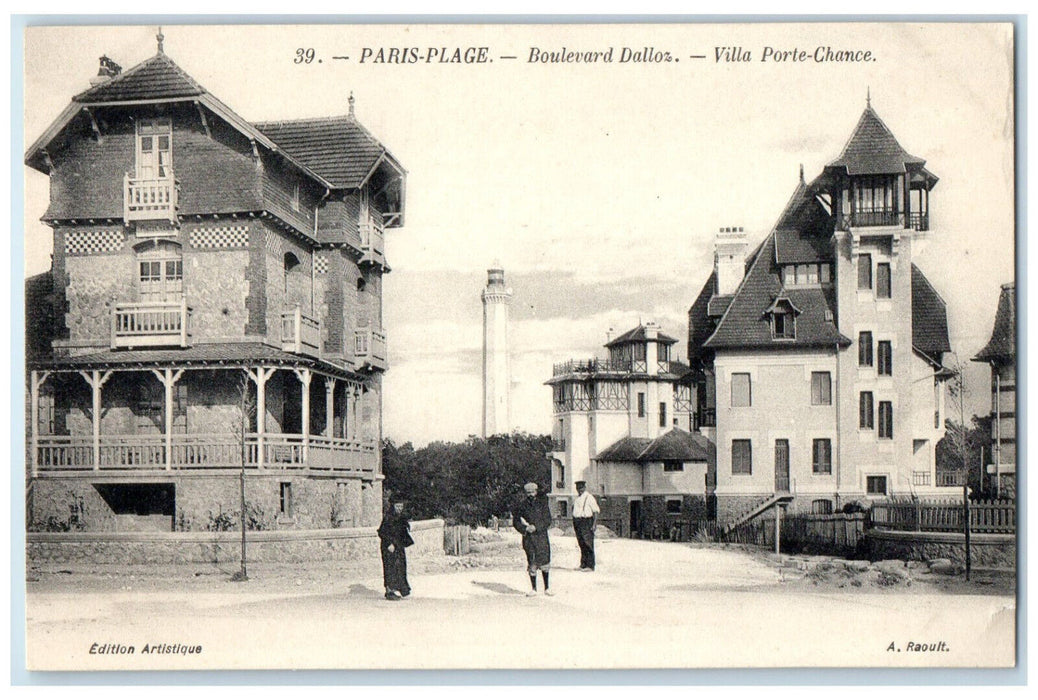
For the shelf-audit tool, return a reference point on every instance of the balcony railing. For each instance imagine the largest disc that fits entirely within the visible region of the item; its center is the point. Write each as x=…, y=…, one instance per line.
x=151, y=324
x=300, y=333
x=592, y=366
x=706, y=418
x=372, y=241
x=57, y=453
x=920, y=478
x=919, y=222
x=370, y=348
x=149, y=199
x=558, y=445
x=948, y=478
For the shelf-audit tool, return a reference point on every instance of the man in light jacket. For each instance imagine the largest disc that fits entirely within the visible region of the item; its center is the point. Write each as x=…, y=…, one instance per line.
x=585, y=511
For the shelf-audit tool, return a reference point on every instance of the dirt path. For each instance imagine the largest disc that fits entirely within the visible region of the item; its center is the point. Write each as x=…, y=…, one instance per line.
x=649, y=605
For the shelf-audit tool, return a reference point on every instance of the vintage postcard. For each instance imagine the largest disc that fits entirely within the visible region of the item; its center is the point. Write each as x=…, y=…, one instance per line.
x=509, y=346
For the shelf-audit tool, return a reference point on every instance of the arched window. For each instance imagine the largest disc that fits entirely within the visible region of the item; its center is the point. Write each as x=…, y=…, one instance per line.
x=160, y=270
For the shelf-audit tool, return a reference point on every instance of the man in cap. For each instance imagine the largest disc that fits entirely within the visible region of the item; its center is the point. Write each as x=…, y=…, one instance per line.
x=585, y=510
x=395, y=536
x=533, y=518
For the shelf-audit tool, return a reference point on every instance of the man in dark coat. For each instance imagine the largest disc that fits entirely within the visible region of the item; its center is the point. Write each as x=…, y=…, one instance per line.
x=532, y=518
x=395, y=535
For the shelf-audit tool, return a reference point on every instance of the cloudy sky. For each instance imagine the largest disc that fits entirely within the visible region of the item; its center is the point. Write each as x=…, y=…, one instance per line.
x=598, y=187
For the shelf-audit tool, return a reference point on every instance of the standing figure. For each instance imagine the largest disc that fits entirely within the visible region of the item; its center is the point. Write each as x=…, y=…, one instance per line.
x=532, y=518
x=395, y=534
x=585, y=510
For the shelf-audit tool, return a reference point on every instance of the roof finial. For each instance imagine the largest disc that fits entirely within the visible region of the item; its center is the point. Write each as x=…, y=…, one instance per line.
x=868, y=97
x=160, y=37
x=801, y=173
x=351, y=103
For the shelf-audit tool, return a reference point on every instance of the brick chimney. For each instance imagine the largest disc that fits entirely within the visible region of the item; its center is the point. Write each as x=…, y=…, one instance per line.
x=106, y=71
x=729, y=258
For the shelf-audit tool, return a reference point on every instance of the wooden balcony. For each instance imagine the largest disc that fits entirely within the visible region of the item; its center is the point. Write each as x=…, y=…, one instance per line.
x=372, y=242
x=300, y=333
x=370, y=349
x=151, y=324
x=149, y=199
x=195, y=452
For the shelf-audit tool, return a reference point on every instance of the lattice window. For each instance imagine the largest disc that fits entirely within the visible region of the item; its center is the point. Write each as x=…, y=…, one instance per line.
x=89, y=242
x=220, y=237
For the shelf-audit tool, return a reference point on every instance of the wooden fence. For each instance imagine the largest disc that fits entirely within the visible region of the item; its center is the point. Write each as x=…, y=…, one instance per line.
x=945, y=516
x=837, y=533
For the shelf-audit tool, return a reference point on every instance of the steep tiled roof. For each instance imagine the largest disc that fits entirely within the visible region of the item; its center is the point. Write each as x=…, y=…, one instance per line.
x=719, y=304
x=872, y=149
x=675, y=444
x=157, y=78
x=701, y=320
x=745, y=324
x=1002, y=345
x=798, y=246
x=638, y=333
x=337, y=148
x=625, y=449
x=929, y=318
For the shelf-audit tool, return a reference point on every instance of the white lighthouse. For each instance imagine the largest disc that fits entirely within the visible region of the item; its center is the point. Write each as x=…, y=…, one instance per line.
x=496, y=378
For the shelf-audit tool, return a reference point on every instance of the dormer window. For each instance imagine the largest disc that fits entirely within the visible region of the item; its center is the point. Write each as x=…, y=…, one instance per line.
x=806, y=275
x=783, y=319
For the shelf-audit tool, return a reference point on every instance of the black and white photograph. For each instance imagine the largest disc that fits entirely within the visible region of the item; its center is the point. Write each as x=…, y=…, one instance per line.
x=519, y=346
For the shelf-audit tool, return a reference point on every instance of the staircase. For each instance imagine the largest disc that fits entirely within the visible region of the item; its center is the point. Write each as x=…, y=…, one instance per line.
x=770, y=501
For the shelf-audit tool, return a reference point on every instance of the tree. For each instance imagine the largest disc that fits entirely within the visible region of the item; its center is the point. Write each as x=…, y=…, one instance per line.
x=975, y=442
x=466, y=482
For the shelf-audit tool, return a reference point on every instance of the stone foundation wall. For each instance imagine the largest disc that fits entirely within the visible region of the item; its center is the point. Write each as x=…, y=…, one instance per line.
x=986, y=551
x=207, y=503
x=731, y=506
x=224, y=547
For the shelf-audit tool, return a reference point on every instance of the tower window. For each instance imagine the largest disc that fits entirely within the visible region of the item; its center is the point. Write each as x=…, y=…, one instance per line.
x=865, y=405
x=883, y=280
x=885, y=352
x=865, y=349
x=663, y=414
x=865, y=271
x=886, y=420
x=641, y=404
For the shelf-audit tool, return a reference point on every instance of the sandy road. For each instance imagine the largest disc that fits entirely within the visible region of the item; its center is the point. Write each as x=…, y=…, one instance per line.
x=650, y=605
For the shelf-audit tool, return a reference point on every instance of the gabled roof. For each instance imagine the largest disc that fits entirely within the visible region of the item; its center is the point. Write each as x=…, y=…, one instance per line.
x=637, y=334
x=929, y=319
x=339, y=149
x=872, y=149
x=338, y=152
x=673, y=445
x=1002, y=345
x=155, y=79
x=745, y=323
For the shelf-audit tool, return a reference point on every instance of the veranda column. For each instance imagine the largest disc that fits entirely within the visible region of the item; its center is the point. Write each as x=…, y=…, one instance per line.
x=357, y=393
x=96, y=380
x=36, y=380
x=260, y=376
x=329, y=406
x=304, y=379
x=168, y=379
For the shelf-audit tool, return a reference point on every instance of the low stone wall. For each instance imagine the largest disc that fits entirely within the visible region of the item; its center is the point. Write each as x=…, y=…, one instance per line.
x=280, y=546
x=986, y=551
